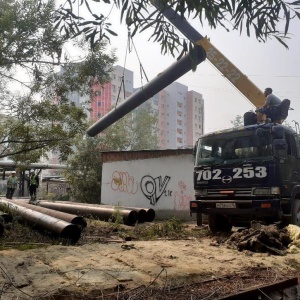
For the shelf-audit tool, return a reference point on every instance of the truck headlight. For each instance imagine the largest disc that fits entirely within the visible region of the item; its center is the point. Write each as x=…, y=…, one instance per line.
x=266, y=191
x=202, y=192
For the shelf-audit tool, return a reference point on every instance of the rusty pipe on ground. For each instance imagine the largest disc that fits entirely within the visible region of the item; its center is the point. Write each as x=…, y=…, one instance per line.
x=102, y=213
x=59, y=227
x=144, y=214
x=70, y=218
x=150, y=213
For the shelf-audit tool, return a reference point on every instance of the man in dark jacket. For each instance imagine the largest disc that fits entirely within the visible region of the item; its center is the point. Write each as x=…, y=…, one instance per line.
x=33, y=184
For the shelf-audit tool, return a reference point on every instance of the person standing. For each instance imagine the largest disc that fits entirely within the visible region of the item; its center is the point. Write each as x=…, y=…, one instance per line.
x=33, y=184
x=11, y=185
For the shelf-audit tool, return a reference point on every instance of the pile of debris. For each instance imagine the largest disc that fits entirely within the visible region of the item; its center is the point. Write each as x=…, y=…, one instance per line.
x=261, y=238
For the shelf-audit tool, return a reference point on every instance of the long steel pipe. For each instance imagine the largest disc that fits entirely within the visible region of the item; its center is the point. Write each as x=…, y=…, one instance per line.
x=144, y=214
x=102, y=213
x=175, y=71
x=150, y=213
x=59, y=227
x=70, y=218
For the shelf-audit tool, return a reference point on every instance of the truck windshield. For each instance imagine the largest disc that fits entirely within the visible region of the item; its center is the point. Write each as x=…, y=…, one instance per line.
x=236, y=145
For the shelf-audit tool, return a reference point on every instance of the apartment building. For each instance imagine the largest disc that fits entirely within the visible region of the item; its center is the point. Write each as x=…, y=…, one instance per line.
x=181, y=117
x=180, y=111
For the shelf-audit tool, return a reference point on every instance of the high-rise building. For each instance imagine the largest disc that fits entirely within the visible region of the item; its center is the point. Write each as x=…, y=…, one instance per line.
x=181, y=116
x=106, y=96
x=180, y=111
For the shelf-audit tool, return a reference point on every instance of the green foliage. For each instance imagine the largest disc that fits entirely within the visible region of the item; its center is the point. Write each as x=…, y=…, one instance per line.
x=144, y=129
x=172, y=228
x=260, y=18
x=85, y=171
x=237, y=122
x=31, y=44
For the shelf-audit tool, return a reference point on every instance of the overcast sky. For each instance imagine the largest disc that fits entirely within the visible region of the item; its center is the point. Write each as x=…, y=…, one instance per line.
x=266, y=64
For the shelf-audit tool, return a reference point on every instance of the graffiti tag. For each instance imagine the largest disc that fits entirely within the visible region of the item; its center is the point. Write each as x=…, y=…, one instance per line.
x=154, y=188
x=181, y=200
x=123, y=182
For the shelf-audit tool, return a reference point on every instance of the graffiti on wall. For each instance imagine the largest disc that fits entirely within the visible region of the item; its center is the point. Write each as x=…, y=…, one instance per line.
x=123, y=182
x=181, y=199
x=154, y=188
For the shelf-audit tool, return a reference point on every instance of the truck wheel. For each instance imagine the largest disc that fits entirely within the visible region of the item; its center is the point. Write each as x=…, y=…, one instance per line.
x=296, y=212
x=219, y=223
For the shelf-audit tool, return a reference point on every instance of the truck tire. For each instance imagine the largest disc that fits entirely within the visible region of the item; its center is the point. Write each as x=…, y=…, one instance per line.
x=219, y=223
x=296, y=212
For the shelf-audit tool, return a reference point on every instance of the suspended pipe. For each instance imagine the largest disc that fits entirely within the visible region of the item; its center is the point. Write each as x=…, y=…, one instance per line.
x=70, y=218
x=144, y=214
x=59, y=227
x=102, y=213
x=171, y=74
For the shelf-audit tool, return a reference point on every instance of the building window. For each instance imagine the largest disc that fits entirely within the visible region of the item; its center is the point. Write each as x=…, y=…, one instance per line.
x=98, y=93
x=99, y=115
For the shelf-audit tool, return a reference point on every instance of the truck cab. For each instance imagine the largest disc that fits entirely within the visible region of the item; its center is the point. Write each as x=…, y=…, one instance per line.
x=248, y=173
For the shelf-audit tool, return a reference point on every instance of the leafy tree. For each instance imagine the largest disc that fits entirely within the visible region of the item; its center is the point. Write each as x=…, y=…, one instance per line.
x=144, y=129
x=238, y=121
x=32, y=46
x=261, y=18
x=85, y=165
x=31, y=129
x=85, y=171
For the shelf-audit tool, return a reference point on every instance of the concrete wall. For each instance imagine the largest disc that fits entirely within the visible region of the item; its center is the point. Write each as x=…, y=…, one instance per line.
x=162, y=183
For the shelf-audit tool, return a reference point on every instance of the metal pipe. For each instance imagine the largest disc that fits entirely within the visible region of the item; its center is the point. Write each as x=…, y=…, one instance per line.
x=102, y=213
x=149, y=215
x=70, y=218
x=175, y=71
x=62, y=228
x=144, y=214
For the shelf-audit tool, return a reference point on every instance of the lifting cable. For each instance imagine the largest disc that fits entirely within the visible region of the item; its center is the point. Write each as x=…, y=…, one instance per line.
x=122, y=82
x=142, y=70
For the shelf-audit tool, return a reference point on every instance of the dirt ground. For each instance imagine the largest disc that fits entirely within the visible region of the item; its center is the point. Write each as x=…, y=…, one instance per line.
x=105, y=264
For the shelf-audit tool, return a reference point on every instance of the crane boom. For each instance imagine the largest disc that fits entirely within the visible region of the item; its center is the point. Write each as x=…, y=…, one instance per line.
x=232, y=73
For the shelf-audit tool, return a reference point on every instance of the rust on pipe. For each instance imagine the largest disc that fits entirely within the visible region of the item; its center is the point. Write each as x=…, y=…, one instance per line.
x=150, y=213
x=73, y=219
x=102, y=213
x=59, y=227
x=144, y=214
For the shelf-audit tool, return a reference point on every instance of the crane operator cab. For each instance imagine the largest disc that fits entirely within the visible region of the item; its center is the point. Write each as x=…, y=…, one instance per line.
x=278, y=114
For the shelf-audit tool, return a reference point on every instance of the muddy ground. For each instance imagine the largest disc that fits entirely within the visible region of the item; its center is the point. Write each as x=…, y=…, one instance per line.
x=147, y=261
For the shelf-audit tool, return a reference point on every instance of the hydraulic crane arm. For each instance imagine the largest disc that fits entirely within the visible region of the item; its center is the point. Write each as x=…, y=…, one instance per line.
x=232, y=73
x=223, y=64
x=185, y=64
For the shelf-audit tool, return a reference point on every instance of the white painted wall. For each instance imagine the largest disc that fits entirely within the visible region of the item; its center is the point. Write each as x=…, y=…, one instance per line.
x=164, y=184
